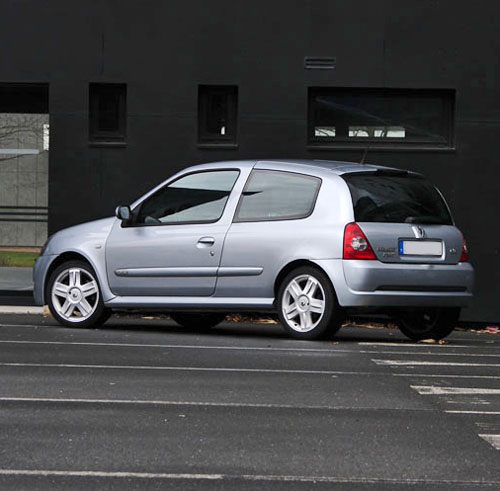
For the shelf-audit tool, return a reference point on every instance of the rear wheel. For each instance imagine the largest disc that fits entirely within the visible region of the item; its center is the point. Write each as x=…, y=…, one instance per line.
x=307, y=304
x=196, y=320
x=74, y=296
x=432, y=323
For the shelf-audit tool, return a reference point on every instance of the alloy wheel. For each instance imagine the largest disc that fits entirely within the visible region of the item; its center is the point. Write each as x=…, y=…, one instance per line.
x=303, y=303
x=75, y=294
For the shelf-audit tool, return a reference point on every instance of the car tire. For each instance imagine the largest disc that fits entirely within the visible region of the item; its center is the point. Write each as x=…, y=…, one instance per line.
x=74, y=296
x=197, y=321
x=432, y=323
x=307, y=304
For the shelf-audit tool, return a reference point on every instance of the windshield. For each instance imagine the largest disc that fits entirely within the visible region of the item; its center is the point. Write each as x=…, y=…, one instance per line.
x=396, y=198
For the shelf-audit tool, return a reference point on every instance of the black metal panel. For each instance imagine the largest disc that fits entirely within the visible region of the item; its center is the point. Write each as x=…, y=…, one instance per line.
x=164, y=50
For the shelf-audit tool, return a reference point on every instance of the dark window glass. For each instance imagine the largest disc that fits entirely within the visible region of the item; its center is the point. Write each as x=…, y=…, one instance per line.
x=276, y=195
x=195, y=198
x=404, y=198
x=217, y=114
x=107, y=118
x=381, y=116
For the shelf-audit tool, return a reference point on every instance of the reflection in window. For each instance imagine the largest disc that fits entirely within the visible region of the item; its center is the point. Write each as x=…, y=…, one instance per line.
x=376, y=132
x=396, y=199
x=398, y=116
x=198, y=198
x=217, y=113
x=276, y=195
x=324, y=131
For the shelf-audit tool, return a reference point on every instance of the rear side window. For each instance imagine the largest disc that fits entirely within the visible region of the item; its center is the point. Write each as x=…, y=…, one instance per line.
x=276, y=195
x=396, y=198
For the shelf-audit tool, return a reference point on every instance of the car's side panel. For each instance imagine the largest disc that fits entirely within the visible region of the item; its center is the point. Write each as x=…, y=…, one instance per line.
x=164, y=259
x=271, y=245
x=169, y=260
x=87, y=240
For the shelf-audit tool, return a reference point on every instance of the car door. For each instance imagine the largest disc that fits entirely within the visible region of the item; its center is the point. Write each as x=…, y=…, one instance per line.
x=269, y=230
x=173, y=243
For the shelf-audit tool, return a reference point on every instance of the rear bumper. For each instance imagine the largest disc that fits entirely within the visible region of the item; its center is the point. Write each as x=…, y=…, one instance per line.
x=361, y=283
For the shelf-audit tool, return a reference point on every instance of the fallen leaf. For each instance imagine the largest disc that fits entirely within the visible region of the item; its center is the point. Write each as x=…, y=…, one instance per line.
x=428, y=341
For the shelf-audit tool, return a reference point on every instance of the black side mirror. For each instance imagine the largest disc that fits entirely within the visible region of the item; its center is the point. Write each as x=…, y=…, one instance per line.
x=123, y=213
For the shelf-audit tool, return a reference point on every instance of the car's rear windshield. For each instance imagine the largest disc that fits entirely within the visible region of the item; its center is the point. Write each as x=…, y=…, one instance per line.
x=396, y=197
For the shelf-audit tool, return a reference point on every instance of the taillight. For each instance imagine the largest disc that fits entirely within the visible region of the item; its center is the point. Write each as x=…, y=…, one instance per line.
x=464, y=257
x=356, y=245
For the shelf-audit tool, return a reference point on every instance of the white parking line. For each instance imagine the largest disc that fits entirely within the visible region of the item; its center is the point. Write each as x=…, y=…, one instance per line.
x=243, y=477
x=140, y=402
x=413, y=353
x=434, y=390
x=493, y=413
x=432, y=363
x=192, y=369
x=332, y=373
x=492, y=439
x=425, y=375
x=331, y=351
x=418, y=345
x=170, y=346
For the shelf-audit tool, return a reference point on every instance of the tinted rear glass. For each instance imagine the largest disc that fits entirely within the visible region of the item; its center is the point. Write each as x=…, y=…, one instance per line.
x=277, y=195
x=397, y=198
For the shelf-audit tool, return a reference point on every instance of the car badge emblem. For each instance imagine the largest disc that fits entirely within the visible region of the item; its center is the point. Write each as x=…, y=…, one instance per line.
x=418, y=231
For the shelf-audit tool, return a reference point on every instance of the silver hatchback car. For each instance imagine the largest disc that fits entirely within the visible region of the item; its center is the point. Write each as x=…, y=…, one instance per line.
x=310, y=240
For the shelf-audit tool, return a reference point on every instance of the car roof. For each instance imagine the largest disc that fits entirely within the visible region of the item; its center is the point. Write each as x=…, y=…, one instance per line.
x=300, y=165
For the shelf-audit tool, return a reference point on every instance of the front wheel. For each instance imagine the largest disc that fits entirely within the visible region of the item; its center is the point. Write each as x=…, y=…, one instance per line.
x=431, y=323
x=307, y=304
x=74, y=296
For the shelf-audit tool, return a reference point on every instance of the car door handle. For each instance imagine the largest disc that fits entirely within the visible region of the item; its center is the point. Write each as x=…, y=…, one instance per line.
x=206, y=242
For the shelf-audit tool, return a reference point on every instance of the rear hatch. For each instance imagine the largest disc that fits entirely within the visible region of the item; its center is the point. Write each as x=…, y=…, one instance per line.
x=404, y=217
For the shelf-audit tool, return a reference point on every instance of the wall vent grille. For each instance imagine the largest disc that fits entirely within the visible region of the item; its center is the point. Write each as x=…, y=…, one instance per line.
x=319, y=63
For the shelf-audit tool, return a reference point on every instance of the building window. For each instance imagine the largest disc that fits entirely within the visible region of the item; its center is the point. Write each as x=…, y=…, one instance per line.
x=381, y=117
x=217, y=114
x=107, y=113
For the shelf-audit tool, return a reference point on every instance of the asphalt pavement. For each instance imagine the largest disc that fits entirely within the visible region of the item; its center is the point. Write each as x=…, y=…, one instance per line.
x=144, y=404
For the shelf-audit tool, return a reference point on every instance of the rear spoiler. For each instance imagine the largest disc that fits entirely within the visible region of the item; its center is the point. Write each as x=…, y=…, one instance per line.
x=383, y=172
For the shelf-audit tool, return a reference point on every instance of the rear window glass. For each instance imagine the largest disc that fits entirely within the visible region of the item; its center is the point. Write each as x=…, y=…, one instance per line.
x=398, y=198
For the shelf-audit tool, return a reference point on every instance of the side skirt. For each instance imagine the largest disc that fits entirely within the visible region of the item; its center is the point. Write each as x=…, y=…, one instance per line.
x=195, y=303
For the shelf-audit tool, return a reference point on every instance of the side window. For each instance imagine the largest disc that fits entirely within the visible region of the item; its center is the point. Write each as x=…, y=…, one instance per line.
x=276, y=195
x=195, y=198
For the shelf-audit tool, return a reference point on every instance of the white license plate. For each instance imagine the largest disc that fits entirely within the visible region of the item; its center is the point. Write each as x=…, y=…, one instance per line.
x=420, y=248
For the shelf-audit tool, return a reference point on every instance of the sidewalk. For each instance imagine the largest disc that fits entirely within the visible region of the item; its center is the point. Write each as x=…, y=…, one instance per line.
x=16, y=289
x=16, y=279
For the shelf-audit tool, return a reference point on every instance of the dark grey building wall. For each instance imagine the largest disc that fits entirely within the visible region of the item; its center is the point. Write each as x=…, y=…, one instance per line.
x=163, y=50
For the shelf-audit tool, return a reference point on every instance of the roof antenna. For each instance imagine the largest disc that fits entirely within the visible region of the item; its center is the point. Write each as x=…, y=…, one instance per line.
x=364, y=154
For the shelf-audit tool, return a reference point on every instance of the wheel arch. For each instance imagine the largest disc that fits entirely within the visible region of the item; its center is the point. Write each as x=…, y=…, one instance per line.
x=294, y=265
